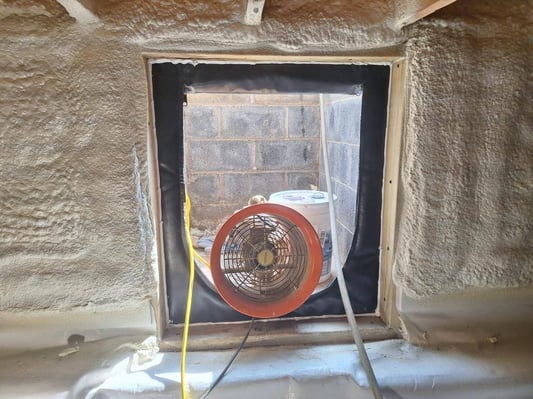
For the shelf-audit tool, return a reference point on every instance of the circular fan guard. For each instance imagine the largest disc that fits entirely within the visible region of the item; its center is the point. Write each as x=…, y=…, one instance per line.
x=266, y=260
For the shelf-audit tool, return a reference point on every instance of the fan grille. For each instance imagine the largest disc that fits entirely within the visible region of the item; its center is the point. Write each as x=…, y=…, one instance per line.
x=266, y=256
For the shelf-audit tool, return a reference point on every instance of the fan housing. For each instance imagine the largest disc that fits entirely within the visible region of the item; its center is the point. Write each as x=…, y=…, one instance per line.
x=266, y=260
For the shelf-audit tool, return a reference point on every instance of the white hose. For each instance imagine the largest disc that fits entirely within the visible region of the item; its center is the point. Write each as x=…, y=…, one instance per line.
x=365, y=362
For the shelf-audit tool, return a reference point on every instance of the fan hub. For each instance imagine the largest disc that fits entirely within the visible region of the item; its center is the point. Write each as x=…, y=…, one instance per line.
x=265, y=257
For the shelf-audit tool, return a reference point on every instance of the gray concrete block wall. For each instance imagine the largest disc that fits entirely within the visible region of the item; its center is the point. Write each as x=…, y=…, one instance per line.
x=303, y=121
x=220, y=155
x=343, y=118
x=342, y=122
x=302, y=180
x=201, y=122
x=204, y=188
x=239, y=145
x=238, y=188
x=257, y=122
x=287, y=155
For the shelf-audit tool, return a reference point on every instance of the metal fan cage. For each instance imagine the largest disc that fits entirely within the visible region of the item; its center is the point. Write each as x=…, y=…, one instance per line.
x=266, y=260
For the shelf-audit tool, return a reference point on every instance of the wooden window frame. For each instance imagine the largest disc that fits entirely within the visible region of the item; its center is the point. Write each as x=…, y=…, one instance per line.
x=385, y=322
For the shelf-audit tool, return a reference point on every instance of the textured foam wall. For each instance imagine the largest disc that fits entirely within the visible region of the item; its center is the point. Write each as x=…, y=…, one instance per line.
x=74, y=226
x=74, y=221
x=466, y=210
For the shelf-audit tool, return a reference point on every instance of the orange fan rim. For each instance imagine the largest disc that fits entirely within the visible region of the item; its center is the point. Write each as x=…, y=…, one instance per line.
x=286, y=304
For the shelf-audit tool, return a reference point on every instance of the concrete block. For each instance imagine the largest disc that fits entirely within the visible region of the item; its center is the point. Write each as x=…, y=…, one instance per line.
x=209, y=217
x=220, y=156
x=203, y=189
x=253, y=122
x=343, y=120
x=239, y=188
x=339, y=157
x=199, y=122
x=302, y=181
x=303, y=121
x=287, y=155
x=345, y=205
x=353, y=175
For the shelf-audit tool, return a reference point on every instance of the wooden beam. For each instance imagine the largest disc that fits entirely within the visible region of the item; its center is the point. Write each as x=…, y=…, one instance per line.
x=325, y=330
x=253, y=11
x=395, y=127
x=385, y=56
x=424, y=8
x=81, y=10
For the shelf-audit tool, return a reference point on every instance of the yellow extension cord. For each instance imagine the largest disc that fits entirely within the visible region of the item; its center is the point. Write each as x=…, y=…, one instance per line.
x=186, y=322
x=201, y=259
x=185, y=337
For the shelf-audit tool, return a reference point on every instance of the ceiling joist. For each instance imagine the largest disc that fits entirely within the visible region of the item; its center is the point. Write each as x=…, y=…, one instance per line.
x=81, y=10
x=424, y=8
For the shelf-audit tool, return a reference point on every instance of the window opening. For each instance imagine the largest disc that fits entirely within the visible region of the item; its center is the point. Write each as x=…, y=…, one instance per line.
x=229, y=132
x=249, y=148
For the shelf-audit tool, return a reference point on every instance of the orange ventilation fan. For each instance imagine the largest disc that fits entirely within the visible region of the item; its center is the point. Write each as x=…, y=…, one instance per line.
x=266, y=260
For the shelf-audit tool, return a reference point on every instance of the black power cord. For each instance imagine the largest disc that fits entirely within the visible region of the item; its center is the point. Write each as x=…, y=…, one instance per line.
x=223, y=373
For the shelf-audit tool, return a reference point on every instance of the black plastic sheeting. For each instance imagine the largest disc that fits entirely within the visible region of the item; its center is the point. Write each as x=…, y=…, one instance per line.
x=271, y=78
x=171, y=81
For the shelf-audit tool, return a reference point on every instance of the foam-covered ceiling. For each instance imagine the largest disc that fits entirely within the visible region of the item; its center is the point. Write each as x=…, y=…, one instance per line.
x=399, y=12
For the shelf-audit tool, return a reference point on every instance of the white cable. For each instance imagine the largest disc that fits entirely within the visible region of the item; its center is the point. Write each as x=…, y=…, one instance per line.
x=365, y=362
